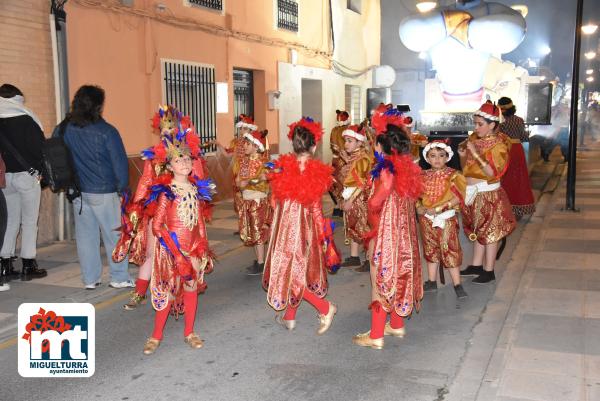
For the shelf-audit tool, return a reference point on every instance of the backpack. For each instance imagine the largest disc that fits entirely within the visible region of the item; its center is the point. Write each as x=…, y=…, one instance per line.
x=58, y=165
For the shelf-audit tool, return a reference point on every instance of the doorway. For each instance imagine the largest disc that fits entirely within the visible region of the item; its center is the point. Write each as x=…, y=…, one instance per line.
x=243, y=93
x=312, y=104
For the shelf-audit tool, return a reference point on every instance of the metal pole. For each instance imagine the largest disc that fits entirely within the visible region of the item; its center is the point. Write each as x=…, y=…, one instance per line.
x=60, y=22
x=572, y=158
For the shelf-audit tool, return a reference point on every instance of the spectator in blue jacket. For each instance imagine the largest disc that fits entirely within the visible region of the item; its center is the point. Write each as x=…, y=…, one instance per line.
x=100, y=162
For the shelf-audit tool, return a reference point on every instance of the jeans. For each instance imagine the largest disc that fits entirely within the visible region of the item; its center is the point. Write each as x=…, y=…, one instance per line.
x=100, y=213
x=22, y=195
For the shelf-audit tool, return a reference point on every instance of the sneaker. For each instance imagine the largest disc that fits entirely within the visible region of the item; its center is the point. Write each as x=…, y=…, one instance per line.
x=484, y=277
x=4, y=287
x=352, y=261
x=365, y=267
x=460, y=291
x=256, y=269
x=92, y=286
x=472, y=271
x=430, y=286
x=121, y=284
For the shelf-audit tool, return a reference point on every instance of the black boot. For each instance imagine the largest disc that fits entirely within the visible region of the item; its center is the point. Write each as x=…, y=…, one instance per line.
x=484, y=277
x=31, y=270
x=337, y=212
x=430, y=286
x=365, y=267
x=5, y=268
x=256, y=269
x=352, y=261
x=460, y=291
x=472, y=271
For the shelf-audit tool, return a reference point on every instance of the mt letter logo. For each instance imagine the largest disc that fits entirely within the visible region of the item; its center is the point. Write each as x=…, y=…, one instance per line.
x=57, y=340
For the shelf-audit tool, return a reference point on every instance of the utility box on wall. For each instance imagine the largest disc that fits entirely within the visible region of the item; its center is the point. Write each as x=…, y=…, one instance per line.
x=273, y=99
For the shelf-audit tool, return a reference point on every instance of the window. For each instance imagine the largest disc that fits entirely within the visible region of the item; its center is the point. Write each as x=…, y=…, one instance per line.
x=243, y=93
x=212, y=4
x=287, y=15
x=353, y=103
x=354, y=5
x=192, y=89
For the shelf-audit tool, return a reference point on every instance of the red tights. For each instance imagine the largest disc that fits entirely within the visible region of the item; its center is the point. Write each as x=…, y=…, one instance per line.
x=190, y=302
x=319, y=304
x=141, y=286
x=378, y=318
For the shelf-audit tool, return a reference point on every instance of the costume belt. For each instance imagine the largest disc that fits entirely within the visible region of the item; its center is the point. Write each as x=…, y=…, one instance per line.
x=348, y=192
x=439, y=220
x=250, y=194
x=473, y=190
x=515, y=140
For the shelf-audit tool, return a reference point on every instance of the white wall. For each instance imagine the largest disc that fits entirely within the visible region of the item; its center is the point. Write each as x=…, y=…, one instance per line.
x=333, y=97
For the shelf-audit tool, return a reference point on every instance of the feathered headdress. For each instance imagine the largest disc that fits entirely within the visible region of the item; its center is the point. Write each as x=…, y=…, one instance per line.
x=177, y=136
x=384, y=115
x=308, y=123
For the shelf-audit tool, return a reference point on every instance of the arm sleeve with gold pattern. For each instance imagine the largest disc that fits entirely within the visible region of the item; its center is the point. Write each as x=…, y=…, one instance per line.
x=498, y=159
x=458, y=186
x=359, y=173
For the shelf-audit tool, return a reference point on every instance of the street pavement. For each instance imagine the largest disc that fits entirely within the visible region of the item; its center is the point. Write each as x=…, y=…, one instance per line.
x=247, y=355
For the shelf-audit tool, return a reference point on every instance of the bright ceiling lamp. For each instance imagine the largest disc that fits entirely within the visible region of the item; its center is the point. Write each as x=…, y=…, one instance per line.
x=590, y=55
x=590, y=79
x=424, y=6
x=589, y=29
x=589, y=72
x=523, y=9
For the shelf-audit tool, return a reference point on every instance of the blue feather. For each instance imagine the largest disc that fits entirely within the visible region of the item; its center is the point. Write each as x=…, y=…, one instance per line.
x=270, y=165
x=206, y=189
x=148, y=154
x=156, y=191
x=381, y=163
x=164, y=245
x=309, y=119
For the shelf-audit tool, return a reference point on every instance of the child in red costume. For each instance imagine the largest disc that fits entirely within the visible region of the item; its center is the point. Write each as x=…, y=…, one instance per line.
x=137, y=239
x=181, y=257
x=254, y=211
x=393, y=245
x=295, y=266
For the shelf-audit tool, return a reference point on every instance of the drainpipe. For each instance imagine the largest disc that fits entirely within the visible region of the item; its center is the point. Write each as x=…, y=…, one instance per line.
x=58, y=32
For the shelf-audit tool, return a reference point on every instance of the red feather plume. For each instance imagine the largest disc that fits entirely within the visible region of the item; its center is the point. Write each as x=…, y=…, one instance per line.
x=407, y=177
x=305, y=186
x=314, y=127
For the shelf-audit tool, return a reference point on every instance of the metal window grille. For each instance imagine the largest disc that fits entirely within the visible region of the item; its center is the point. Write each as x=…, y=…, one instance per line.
x=243, y=93
x=192, y=89
x=212, y=4
x=287, y=15
x=353, y=103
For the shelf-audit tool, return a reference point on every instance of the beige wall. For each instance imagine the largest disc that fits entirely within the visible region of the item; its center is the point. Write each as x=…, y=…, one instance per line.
x=121, y=51
x=26, y=62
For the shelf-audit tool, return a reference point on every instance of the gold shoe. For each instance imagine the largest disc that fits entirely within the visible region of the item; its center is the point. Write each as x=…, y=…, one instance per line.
x=194, y=341
x=288, y=324
x=135, y=300
x=364, y=340
x=389, y=331
x=151, y=346
x=326, y=320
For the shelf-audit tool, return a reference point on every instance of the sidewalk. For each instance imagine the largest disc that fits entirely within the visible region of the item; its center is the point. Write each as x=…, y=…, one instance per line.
x=539, y=338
